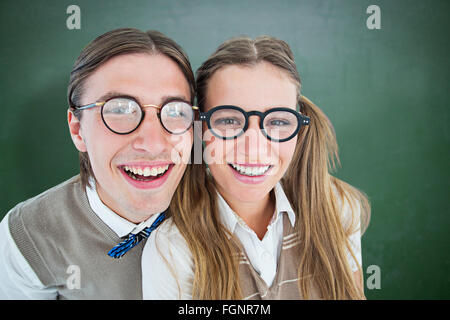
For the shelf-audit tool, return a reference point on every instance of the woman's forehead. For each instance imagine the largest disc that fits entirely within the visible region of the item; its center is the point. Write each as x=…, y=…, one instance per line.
x=251, y=86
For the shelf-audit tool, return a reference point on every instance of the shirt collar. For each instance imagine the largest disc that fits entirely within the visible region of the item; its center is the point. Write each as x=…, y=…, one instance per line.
x=283, y=204
x=230, y=219
x=119, y=225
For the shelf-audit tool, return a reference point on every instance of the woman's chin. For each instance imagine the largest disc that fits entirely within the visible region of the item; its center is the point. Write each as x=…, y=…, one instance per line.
x=244, y=187
x=246, y=193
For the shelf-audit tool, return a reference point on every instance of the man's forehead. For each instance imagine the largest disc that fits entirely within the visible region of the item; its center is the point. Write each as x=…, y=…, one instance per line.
x=150, y=78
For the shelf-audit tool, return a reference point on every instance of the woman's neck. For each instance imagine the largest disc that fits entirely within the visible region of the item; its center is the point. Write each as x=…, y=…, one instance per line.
x=256, y=214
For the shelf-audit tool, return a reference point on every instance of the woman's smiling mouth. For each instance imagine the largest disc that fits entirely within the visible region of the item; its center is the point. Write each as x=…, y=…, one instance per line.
x=250, y=170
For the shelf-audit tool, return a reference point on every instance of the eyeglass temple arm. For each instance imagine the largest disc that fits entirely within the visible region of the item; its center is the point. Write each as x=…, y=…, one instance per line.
x=88, y=106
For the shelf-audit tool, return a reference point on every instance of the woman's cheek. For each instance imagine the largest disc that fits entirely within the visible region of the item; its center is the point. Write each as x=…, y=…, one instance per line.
x=218, y=151
x=286, y=153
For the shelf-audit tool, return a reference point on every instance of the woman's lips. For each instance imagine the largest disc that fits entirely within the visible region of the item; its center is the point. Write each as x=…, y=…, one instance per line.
x=250, y=173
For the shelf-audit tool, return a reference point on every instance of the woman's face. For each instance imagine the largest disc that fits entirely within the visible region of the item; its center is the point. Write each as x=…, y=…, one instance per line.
x=247, y=168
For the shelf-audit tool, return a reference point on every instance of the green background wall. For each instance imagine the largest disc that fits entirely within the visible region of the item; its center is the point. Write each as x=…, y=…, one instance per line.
x=386, y=92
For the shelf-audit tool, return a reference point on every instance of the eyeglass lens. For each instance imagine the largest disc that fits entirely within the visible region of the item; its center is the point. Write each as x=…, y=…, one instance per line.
x=123, y=115
x=230, y=123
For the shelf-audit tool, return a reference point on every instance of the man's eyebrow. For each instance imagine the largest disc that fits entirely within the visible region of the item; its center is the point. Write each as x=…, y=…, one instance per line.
x=112, y=94
x=167, y=99
x=164, y=99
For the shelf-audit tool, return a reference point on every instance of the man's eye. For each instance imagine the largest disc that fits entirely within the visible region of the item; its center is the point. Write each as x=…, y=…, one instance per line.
x=176, y=114
x=122, y=110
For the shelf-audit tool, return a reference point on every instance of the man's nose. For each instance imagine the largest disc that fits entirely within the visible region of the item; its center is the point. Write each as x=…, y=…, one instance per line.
x=150, y=135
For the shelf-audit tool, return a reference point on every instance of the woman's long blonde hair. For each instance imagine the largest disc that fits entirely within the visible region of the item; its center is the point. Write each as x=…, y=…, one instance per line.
x=307, y=184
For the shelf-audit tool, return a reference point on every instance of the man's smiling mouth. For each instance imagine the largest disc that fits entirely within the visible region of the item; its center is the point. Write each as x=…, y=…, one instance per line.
x=149, y=173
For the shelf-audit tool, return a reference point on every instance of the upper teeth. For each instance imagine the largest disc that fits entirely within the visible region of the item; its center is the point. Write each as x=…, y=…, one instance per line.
x=147, y=171
x=250, y=171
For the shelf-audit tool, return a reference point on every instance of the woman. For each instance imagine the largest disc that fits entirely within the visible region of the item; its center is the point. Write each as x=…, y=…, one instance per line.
x=263, y=219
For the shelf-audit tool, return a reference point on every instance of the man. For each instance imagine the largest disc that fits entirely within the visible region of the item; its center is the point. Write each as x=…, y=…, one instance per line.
x=130, y=116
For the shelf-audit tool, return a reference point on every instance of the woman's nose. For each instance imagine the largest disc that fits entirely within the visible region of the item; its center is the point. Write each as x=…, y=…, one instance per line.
x=253, y=143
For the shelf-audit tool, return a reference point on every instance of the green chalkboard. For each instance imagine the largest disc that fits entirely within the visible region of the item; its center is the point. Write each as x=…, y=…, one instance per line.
x=385, y=90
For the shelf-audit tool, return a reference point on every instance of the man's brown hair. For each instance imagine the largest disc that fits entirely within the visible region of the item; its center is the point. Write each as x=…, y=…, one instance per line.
x=111, y=44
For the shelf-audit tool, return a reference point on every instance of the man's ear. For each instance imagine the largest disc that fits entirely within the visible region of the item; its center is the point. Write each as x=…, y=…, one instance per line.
x=75, y=131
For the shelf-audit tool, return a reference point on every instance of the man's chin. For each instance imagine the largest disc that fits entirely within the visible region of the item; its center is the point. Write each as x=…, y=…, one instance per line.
x=148, y=206
x=139, y=205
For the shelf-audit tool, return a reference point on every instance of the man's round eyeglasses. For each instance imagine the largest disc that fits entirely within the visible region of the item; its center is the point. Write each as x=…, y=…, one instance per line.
x=123, y=115
x=277, y=124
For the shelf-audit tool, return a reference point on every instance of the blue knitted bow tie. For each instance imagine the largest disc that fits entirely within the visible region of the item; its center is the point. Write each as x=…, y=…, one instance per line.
x=133, y=239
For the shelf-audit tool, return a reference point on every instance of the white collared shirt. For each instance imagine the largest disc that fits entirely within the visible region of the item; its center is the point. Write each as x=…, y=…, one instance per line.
x=263, y=254
x=119, y=225
x=17, y=278
x=167, y=254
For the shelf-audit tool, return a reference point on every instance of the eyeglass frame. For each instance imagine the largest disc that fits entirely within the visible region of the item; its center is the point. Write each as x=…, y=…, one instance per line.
x=302, y=120
x=142, y=106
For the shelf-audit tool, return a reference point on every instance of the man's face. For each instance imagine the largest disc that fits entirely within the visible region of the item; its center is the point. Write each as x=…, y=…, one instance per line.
x=150, y=79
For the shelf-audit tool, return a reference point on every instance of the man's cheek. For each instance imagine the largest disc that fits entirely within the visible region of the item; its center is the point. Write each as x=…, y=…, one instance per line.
x=101, y=160
x=181, y=148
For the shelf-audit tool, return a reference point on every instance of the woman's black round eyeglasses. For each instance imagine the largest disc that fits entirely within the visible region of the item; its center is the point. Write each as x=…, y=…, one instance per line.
x=123, y=115
x=277, y=124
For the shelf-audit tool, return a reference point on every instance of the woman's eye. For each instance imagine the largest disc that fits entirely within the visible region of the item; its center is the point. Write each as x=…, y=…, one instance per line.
x=226, y=122
x=279, y=123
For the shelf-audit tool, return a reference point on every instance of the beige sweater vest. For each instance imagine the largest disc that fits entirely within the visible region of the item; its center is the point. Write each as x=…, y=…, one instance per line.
x=62, y=238
x=285, y=284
